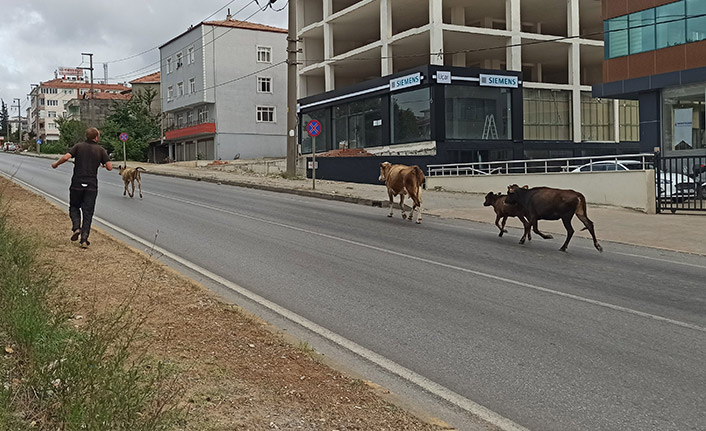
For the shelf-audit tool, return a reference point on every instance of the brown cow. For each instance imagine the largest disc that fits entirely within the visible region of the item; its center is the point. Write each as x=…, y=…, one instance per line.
x=546, y=203
x=401, y=180
x=504, y=210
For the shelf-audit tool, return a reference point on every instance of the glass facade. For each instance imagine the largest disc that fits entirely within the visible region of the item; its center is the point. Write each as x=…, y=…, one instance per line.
x=478, y=113
x=661, y=27
x=410, y=113
x=547, y=114
x=358, y=124
x=683, y=110
x=596, y=119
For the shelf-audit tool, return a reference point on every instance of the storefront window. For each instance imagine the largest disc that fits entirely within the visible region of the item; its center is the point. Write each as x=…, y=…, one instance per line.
x=358, y=124
x=629, y=112
x=323, y=141
x=683, y=118
x=477, y=113
x=671, y=26
x=696, y=26
x=547, y=114
x=411, y=116
x=596, y=119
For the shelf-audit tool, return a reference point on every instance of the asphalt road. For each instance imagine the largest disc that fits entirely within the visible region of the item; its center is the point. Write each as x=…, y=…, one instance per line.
x=548, y=340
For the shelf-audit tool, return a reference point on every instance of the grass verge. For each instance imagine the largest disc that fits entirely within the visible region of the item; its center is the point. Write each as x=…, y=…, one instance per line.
x=55, y=375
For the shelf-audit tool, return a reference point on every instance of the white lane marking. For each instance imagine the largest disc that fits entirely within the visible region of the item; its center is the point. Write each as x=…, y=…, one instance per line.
x=428, y=385
x=445, y=265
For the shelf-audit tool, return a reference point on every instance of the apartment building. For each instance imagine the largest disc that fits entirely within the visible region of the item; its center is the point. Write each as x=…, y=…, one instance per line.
x=223, y=90
x=655, y=52
x=493, y=80
x=49, y=101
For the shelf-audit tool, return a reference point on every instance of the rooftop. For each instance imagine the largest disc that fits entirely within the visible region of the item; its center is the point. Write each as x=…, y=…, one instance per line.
x=152, y=78
x=60, y=83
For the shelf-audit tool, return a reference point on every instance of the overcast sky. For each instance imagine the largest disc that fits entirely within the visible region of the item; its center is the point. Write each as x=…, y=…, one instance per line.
x=39, y=36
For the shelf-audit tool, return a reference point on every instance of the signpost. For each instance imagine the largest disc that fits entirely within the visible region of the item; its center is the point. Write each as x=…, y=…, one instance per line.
x=39, y=142
x=313, y=128
x=124, y=137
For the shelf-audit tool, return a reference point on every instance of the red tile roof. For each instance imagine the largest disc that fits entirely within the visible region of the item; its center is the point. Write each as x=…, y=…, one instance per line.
x=113, y=96
x=246, y=25
x=58, y=83
x=152, y=78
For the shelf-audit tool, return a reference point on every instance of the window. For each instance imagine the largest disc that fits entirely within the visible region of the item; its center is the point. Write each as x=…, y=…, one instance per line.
x=170, y=93
x=265, y=114
x=41, y=101
x=67, y=91
x=358, y=124
x=695, y=27
x=52, y=103
x=190, y=117
x=264, y=54
x=642, y=31
x=410, y=116
x=180, y=120
x=51, y=126
x=264, y=85
x=547, y=114
x=52, y=114
x=190, y=55
x=616, y=36
x=203, y=114
x=169, y=65
x=178, y=60
x=477, y=113
x=192, y=86
x=596, y=119
x=180, y=89
x=671, y=28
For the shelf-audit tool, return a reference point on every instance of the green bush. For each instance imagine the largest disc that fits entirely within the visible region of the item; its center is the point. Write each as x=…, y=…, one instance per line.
x=53, y=148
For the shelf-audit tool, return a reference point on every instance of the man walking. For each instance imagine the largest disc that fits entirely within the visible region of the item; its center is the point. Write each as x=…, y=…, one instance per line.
x=83, y=191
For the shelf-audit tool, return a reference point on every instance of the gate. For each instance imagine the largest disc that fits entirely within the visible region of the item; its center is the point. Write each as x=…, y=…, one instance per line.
x=681, y=183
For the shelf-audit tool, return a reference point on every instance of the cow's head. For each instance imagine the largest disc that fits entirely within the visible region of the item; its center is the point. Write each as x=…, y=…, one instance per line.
x=490, y=198
x=384, y=169
x=513, y=191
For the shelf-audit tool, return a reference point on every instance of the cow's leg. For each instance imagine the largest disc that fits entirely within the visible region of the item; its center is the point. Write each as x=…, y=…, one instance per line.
x=417, y=205
x=528, y=224
x=524, y=223
x=132, y=192
x=125, y=190
x=497, y=220
x=389, y=194
x=139, y=185
x=535, y=227
x=569, y=231
x=404, y=215
x=589, y=225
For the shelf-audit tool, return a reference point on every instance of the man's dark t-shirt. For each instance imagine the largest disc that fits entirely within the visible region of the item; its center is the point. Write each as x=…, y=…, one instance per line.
x=88, y=157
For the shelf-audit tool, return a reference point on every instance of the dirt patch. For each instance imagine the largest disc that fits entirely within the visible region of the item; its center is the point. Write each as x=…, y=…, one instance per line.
x=238, y=373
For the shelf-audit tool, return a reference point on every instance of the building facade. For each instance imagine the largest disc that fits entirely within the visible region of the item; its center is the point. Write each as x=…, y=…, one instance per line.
x=655, y=52
x=149, y=83
x=49, y=101
x=223, y=91
x=556, y=52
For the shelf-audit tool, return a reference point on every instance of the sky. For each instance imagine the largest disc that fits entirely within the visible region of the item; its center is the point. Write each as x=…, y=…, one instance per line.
x=39, y=36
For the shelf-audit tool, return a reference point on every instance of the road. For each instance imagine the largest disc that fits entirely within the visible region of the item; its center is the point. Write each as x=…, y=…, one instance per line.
x=444, y=312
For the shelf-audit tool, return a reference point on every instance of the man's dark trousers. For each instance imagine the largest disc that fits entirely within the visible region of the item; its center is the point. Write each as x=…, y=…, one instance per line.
x=82, y=201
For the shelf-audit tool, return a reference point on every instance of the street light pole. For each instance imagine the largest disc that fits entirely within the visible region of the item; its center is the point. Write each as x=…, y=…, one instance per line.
x=90, y=97
x=35, y=104
x=292, y=90
x=19, y=121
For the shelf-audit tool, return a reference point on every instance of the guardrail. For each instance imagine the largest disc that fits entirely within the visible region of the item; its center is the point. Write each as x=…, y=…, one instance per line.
x=640, y=161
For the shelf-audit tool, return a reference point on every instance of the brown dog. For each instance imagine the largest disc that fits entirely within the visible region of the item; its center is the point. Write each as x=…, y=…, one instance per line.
x=130, y=175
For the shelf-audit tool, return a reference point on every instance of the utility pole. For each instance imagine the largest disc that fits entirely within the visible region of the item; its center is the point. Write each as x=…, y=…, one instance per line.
x=292, y=90
x=90, y=97
x=19, y=121
x=35, y=105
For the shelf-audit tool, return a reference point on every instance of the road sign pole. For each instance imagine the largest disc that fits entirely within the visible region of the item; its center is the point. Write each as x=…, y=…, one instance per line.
x=124, y=156
x=313, y=162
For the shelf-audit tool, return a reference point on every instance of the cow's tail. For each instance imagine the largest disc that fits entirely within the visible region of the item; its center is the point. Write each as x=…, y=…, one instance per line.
x=140, y=168
x=581, y=208
x=421, y=179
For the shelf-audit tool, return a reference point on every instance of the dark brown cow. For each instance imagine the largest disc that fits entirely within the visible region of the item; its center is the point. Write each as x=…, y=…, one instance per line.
x=546, y=203
x=504, y=210
x=402, y=180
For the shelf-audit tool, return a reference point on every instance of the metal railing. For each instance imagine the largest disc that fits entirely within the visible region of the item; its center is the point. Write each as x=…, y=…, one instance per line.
x=640, y=161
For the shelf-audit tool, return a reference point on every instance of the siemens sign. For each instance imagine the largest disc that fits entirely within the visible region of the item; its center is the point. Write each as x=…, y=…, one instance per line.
x=498, y=81
x=405, y=81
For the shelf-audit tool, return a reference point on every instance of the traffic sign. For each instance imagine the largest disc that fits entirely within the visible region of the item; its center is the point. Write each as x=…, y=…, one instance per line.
x=123, y=137
x=39, y=142
x=313, y=128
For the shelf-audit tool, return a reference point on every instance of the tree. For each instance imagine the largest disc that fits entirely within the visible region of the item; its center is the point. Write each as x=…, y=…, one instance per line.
x=4, y=117
x=134, y=118
x=71, y=131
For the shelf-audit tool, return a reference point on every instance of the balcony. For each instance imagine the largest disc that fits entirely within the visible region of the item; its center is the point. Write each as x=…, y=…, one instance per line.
x=189, y=129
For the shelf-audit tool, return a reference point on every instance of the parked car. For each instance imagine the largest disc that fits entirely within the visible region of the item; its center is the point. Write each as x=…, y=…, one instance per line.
x=676, y=187
x=613, y=165
x=9, y=146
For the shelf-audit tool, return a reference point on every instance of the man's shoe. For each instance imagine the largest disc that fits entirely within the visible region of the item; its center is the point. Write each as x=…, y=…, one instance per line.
x=75, y=235
x=85, y=244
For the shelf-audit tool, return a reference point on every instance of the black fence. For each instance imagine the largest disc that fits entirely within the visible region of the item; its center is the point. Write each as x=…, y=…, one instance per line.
x=681, y=183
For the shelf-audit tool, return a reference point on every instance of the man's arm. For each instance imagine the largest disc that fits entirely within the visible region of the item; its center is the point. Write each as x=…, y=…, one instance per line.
x=108, y=166
x=63, y=159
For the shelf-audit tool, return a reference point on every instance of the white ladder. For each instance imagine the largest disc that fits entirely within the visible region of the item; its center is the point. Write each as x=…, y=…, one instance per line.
x=489, y=129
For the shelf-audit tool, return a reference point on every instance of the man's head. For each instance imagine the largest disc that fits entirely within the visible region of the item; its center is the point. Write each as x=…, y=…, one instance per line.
x=92, y=134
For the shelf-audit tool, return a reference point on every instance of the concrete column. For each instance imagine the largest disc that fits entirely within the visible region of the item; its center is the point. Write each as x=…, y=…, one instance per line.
x=329, y=76
x=436, y=33
x=513, y=54
x=572, y=12
x=458, y=17
x=616, y=120
x=386, y=64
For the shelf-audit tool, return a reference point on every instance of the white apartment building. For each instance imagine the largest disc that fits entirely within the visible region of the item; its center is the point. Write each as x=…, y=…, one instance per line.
x=49, y=101
x=557, y=45
x=223, y=90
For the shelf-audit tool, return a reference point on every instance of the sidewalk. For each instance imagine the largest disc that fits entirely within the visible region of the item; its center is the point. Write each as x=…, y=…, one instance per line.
x=683, y=231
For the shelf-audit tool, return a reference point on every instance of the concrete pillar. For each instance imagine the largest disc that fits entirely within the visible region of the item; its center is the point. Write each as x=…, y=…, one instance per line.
x=572, y=12
x=436, y=34
x=458, y=17
x=329, y=76
x=616, y=120
x=386, y=64
x=513, y=54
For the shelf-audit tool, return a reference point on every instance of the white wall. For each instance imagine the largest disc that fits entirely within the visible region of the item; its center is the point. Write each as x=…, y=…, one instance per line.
x=628, y=189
